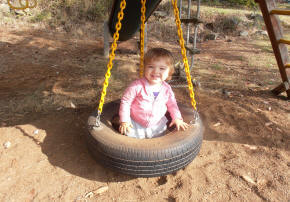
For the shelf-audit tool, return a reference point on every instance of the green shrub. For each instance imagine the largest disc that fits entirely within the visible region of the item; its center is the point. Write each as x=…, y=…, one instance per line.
x=246, y=3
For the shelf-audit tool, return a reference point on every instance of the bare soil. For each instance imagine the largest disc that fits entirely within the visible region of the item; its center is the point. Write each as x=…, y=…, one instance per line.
x=50, y=83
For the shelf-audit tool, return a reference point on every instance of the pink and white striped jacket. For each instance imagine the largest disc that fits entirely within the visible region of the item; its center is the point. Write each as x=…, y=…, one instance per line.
x=138, y=103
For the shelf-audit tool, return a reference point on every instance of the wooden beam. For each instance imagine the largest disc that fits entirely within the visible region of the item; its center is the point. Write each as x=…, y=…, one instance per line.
x=280, y=12
x=284, y=41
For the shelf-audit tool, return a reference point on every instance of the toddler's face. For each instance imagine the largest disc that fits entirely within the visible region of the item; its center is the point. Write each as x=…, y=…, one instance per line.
x=156, y=71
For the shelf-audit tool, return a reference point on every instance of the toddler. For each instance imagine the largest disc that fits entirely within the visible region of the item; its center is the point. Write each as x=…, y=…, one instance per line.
x=146, y=100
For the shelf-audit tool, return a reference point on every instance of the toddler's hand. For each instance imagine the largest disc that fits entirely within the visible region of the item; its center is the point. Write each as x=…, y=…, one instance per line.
x=180, y=124
x=125, y=127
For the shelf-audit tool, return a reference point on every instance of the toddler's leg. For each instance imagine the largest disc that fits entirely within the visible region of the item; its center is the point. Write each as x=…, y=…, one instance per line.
x=158, y=130
x=137, y=131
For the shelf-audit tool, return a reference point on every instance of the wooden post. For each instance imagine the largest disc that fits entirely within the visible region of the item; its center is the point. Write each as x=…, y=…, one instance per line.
x=106, y=39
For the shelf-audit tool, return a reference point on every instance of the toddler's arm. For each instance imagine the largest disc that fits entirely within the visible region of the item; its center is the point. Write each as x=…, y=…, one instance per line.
x=180, y=124
x=125, y=127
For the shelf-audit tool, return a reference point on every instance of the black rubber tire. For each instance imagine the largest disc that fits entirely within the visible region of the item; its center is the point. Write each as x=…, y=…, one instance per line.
x=147, y=157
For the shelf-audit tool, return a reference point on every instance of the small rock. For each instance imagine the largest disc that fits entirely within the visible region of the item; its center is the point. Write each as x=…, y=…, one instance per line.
x=35, y=132
x=210, y=36
x=102, y=190
x=262, y=32
x=59, y=108
x=72, y=105
x=269, y=108
x=248, y=179
x=196, y=83
x=217, y=124
x=268, y=124
x=244, y=33
x=7, y=145
x=262, y=182
x=225, y=92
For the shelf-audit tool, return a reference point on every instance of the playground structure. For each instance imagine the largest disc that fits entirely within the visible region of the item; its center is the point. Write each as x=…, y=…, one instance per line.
x=272, y=22
x=186, y=162
x=279, y=44
x=131, y=26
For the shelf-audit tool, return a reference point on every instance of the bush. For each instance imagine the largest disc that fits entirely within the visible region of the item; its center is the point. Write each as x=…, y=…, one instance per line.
x=77, y=10
x=246, y=3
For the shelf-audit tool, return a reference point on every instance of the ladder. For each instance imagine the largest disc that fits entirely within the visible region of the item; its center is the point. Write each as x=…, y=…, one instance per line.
x=279, y=44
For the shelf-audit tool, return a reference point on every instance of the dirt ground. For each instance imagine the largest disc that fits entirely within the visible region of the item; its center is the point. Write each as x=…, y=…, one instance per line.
x=50, y=83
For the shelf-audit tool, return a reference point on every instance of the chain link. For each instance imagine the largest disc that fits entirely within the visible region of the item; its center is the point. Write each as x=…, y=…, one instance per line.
x=143, y=11
x=112, y=56
x=183, y=52
x=22, y=6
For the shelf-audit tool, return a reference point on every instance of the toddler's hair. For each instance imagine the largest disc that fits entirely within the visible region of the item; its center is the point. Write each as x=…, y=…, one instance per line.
x=160, y=53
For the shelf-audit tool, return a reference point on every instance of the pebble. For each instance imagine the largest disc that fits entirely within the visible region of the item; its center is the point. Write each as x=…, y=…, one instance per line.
x=7, y=145
x=268, y=124
x=35, y=132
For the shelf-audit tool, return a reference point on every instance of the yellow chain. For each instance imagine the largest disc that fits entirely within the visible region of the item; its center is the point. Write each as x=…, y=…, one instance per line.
x=23, y=7
x=143, y=10
x=112, y=55
x=183, y=52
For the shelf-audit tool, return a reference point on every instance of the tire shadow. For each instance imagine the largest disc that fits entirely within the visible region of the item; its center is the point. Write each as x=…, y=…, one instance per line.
x=65, y=145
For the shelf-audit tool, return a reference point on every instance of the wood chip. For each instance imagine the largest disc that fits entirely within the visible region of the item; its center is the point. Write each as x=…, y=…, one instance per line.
x=72, y=105
x=101, y=190
x=279, y=130
x=252, y=147
x=89, y=195
x=217, y=124
x=248, y=179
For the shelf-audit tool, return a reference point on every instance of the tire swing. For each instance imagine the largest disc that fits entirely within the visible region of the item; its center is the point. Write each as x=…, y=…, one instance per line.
x=143, y=157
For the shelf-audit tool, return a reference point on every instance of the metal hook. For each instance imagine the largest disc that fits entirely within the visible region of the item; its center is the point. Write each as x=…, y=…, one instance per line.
x=196, y=117
x=98, y=119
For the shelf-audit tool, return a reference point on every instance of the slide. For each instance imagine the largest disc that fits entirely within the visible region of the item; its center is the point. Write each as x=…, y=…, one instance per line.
x=132, y=17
